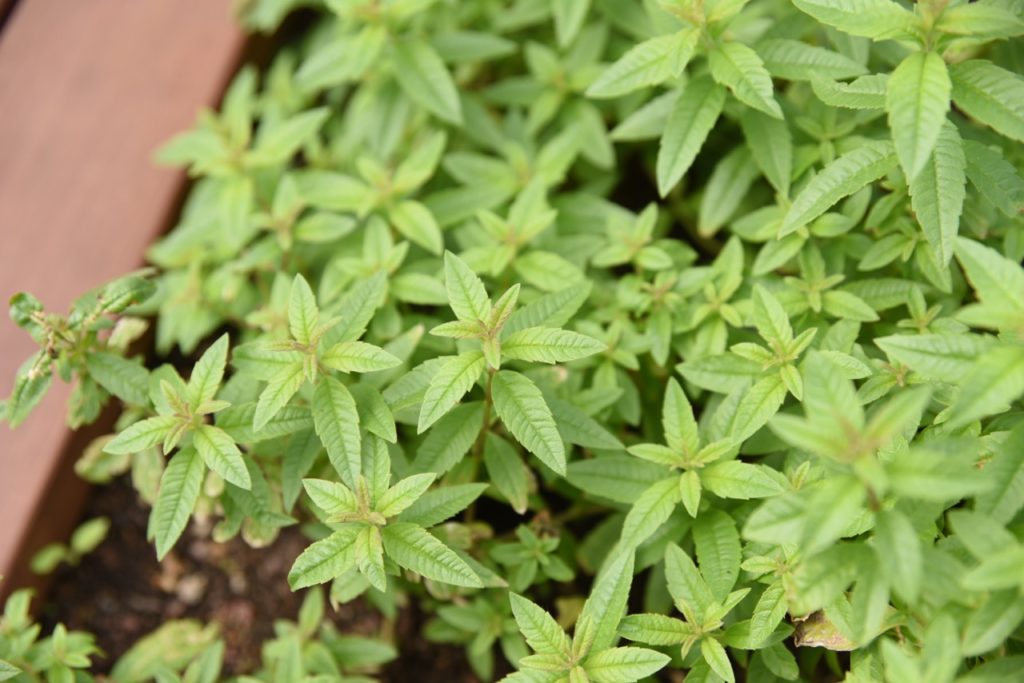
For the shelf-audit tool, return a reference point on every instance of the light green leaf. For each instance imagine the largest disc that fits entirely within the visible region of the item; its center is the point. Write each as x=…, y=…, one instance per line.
x=549, y=345
x=878, y=19
x=990, y=94
x=404, y=493
x=521, y=407
x=866, y=92
x=740, y=480
x=142, y=435
x=456, y=377
x=542, y=632
x=221, y=455
x=331, y=497
x=714, y=654
x=717, y=543
x=771, y=145
x=303, y=314
x=415, y=549
x=993, y=382
x=569, y=17
x=917, y=99
x=655, y=629
x=841, y=178
x=650, y=511
x=326, y=559
x=623, y=664
x=179, y=492
x=687, y=586
x=507, y=472
x=356, y=356
x=693, y=116
x=649, y=63
x=415, y=222
x=938, y=192
x=336, y=421
x=125, y=379
x=278, y=392
x=794, y=60
x=434, y=507
x=426, y=80
x=738, y=67
x=466, y=293
x=757, y=406
x=940, y=357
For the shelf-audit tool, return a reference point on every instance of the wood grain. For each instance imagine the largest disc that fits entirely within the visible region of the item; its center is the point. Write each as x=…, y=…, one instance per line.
x=88, y=90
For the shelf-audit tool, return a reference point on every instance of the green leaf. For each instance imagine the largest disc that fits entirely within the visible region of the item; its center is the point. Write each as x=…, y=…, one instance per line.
x=866, y=92
x=878, y=19
x=757, y=406
x=466, y=293
x=650, y=511
x=990, y=94
x=623, y=664
x=991, y=624
x=434, y=507
x=738, y=67
x=542, y=632
x=551, y=310
x=998, y=281
x=549, y=345
x=415, y=549
x=278, y=392
x=569, y=16
x=404, y=493
x=688, y=588
x=994, y=177
x=771, y=145
x=606, y=604
x=649, y=63
x=326, y=559
x=507, y=472
x=123, y=378
x=655, y=629
x=179, y=492
x=426, y=80
x=899, y=553
x=938, y=192
x=740, y=480
x=221, y=455
x=717, y=543
x=142, y=435
x=356, y=356
x=794, y=60
x=456, y=377
x=208, y=373
x=940, y=357
x=336, y=421
x=280, y=141
x=992, y=383
x=450, y=438
x=714, y=654
x=521, y=407
x=841, y=178
x=415, y=222
x=331, y=497
x=1005, y=472
x=303, y=314
x=769, y=612
x=677, y=419
x=578, y=428
x=693, y=116
x=917, y=99
x=8, y=670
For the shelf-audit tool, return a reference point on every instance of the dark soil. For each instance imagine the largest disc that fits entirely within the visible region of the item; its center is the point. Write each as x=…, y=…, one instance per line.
x=120, y=593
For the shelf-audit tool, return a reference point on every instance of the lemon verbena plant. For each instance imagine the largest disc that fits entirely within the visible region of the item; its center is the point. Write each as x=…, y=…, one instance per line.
x=622, y=337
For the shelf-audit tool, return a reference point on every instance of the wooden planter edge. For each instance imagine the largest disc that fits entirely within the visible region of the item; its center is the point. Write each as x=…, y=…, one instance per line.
x=88, y=91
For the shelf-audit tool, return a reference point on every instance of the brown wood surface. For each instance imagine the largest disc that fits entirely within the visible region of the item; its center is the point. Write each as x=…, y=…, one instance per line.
x=88, y=90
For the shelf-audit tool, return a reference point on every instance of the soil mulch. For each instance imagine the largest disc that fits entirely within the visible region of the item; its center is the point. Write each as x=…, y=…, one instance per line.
x=120, y=593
